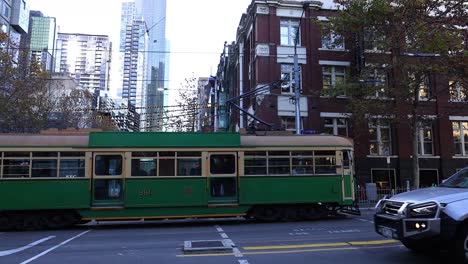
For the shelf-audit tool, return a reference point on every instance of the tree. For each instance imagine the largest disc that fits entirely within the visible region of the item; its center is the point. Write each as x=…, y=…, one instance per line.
x=184, y=117
x=23, y=91
x=398, y=44
x=30, y=98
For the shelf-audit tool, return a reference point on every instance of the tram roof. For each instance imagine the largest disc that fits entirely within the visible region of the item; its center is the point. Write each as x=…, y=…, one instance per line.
x=167, y=139
x=163, y=139
x=297, y=140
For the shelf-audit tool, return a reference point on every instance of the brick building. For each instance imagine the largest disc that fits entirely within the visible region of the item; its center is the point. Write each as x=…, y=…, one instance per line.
x=262, y=55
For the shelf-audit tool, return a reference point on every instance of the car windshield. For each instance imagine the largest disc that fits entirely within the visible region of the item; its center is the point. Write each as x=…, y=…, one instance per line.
x=458, y=180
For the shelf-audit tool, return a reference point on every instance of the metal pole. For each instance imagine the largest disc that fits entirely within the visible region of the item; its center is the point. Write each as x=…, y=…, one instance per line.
x=297, y=97
x=297, y=88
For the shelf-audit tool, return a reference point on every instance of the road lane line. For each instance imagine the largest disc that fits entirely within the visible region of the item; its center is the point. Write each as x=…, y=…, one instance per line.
x=55, y=247
x=363, y=220
x=237, y=253
x=286, y=251
x=16, y=250
x=337, y=244
x=375, y=242
x=235, y=250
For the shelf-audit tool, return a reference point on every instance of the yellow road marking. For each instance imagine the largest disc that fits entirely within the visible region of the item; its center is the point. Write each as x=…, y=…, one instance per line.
x=339, y=244
x=283, y=251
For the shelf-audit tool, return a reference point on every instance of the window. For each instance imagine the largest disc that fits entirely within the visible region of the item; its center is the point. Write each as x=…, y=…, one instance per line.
x=460, y=137
x=288, y=123
x=425, y=140
x=335, y=126
x=376, y=81
x=287, y=77
x=278, y=163
x=331, y=77
x=421, y=82
x=380, y=137
x=255, y=163
x=457, y=92
x=6, y=11
x=288, y=32
x=222, y=164
x=384, y=178
x=325, y=162
x=108, y=165
x=332, y=41
x=373, y=40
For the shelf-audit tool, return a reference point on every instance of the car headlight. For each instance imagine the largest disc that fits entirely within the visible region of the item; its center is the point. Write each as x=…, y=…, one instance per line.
x=425, y=210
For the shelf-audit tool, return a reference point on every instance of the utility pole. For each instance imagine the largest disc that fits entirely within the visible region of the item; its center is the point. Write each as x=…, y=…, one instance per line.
x=297, y=87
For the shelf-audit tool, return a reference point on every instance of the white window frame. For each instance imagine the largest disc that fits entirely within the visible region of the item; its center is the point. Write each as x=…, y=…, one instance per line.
x=333, y=74
x=378, y=141
x=287, y=72
x=424, y=126
x=456, y=92
x=424, y=86
x=289, y=25
x=332, y=41
x=462, y=129
x=287, y=121
x=379, y=83
x=335, y=126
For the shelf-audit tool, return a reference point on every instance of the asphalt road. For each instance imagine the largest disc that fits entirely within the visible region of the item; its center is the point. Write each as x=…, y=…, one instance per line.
x=348, y=240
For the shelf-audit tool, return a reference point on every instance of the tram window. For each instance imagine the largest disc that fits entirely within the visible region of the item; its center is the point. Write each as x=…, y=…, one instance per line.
x=107, y=165
x=222, y=164
x=44, y=168
x=166, y=167
x=346, y=159
x=144, y=167
x=189, y=167
x=278, y=166
x=72, y=154
x=325, y=165
x=45, y=154
x=324, y=153
x=16, y=154
x=72, y=168
x=302, y=153
x=108, y=189
x=144, y=154
x=223, y=187
x=255, y=165
x=167, y=154
x=302, y=166
x=278, y=153
x=189, y=154
x=15, y=168
x=255, y=153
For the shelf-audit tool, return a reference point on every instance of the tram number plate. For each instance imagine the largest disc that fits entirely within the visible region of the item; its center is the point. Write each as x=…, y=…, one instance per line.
x=387, y=232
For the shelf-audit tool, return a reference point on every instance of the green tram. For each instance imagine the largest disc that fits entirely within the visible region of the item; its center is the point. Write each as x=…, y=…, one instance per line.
x=57, y=180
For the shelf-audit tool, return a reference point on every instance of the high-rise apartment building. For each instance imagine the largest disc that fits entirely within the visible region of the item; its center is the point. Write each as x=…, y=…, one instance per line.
x=154, y=14
x=85, y=58
x=133, y=47
x=14, y=20
x=40, y=40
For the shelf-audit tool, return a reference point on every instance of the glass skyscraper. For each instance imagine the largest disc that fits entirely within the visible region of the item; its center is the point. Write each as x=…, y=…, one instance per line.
x=133, y=51
x=154, y=14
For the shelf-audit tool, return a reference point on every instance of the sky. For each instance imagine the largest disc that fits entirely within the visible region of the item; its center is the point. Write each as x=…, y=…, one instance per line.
x=196, y=30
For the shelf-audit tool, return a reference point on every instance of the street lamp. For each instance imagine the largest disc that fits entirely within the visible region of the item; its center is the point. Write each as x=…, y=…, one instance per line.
x=305, y=5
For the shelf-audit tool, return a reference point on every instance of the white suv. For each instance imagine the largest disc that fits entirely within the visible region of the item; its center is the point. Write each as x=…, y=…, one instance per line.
x=429, y=218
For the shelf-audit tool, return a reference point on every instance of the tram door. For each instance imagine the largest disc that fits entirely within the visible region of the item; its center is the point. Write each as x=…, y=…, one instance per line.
x=222, y=178
x=108, y=180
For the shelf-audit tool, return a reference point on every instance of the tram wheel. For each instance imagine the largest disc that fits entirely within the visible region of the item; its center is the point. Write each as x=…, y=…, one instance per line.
x=266, y=213
x=5, y=223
